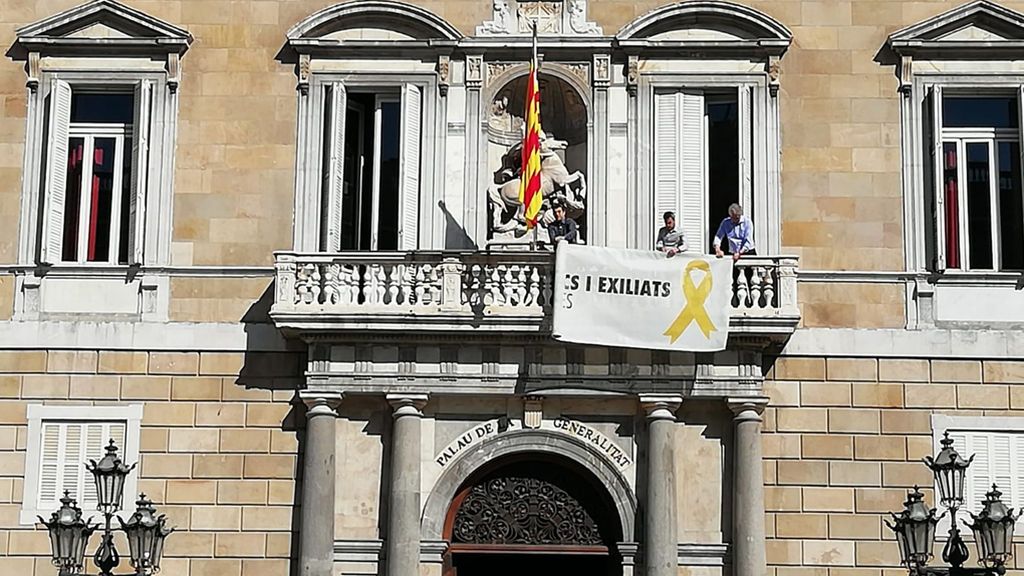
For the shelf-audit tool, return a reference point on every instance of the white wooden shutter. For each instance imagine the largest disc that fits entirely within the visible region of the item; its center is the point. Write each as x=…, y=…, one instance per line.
x=693, y=146
x=666, y=158
x=66, y=447
x=409, y=202
x=49, y=465
x=335, y=108
x=938, y=181
x=56, y=172
x=140, y=171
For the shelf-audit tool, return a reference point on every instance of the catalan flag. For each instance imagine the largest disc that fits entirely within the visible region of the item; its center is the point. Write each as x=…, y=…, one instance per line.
x=529, y=183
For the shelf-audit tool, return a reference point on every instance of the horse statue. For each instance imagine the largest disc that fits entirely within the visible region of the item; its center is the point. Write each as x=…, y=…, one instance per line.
x=508, y=218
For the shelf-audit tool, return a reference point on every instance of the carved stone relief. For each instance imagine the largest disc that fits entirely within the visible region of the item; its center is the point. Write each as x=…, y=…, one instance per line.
x=563, y=158
x=553, y=17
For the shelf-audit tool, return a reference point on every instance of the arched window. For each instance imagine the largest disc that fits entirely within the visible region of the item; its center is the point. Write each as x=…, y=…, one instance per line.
x=371, y=74
x=704, y=79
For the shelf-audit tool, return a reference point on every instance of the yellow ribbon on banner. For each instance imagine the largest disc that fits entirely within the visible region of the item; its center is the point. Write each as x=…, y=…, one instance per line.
x=694, y=310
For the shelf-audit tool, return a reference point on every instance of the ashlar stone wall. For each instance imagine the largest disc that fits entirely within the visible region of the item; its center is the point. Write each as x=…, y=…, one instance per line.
x=218, y=451
x=843, y=443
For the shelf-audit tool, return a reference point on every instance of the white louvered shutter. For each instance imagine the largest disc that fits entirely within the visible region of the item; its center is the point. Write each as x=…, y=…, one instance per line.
x=140, y=170
x=938, y=181
x=335, y=108
x=49, y=465
x=666, y=158
x=411, y=147
x=693, y=151
x=56, y=172
x=66, y=447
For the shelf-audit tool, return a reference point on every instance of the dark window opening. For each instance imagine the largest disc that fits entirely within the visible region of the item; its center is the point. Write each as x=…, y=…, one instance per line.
x=975, y=111
x=723, y=161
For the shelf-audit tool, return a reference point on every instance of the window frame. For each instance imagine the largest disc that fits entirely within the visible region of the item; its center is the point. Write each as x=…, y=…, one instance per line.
x=152, y=302
x=1013, y=425
x=759, y=192
x=38, y=414
x=313, y=214
x=155, y=233
x=936, y=238
x=922, y=234
x=89, y=133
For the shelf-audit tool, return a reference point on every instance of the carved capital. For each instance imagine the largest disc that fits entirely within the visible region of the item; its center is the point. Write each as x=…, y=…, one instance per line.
x=774, y=69
x=444, y=74
x=406, y=404
x=660, y=406
x=906, y=75
x=320, y=403
x=747, y=409
x=474, y=70
x=633, y=74
x=32, y=69
x=173, y=72
x=303, y=71
x=602, y=70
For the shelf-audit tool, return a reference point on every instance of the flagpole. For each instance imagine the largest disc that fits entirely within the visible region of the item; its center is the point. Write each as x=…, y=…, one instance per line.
x=534, y=70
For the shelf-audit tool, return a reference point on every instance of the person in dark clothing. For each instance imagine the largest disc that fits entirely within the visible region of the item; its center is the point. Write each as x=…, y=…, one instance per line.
x=562, y=228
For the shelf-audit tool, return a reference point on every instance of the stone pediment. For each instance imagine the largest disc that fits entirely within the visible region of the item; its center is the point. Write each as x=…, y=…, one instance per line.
x=978, y=25
x=104, y=25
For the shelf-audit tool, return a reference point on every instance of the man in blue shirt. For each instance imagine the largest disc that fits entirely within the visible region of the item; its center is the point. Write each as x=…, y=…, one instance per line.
x=738, y=231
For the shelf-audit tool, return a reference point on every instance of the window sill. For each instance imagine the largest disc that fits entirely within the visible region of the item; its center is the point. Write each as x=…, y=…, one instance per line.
x=65, y=292
x=978, y=278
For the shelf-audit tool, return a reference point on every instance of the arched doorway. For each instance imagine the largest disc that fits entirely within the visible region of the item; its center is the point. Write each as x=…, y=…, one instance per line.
x=532, y=514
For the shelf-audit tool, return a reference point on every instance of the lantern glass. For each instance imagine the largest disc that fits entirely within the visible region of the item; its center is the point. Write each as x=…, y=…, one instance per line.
x=69, y=535
x=993, y=530
x=950, y=471
x=146, y=532
x=915, y=530
x=109, y=474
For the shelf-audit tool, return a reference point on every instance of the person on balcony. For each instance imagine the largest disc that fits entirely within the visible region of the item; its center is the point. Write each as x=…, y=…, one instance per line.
x=562, y=228
x=671, y=240
x=738, y=233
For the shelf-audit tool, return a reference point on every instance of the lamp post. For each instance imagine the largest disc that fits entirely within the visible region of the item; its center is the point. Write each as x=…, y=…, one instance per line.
x=915, y=525
x=69, y=534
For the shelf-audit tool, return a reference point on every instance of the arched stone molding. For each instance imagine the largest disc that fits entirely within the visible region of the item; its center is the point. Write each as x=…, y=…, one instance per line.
x=407, y=20
x=742, y=23
x=520, y=442
x=498, y=82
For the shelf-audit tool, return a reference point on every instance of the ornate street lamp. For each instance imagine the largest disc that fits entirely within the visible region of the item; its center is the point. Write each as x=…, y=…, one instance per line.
x=145, y=530
x=68, y=536
x=915, y=526
x=915, y=530
x=993, y=530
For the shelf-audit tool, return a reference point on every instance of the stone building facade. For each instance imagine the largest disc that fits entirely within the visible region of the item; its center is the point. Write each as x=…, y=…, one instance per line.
x=271, y=246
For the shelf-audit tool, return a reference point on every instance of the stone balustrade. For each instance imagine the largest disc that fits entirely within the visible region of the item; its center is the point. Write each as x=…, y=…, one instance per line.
x=478, y=291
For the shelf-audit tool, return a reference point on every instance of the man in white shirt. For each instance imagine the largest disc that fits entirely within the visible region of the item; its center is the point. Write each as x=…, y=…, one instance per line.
x=671, y=240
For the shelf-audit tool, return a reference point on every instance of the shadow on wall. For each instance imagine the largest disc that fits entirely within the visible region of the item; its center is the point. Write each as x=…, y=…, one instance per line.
x=276, y=365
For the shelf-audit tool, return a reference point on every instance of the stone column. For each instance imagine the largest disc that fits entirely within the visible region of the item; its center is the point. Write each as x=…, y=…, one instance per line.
x=316, y=533
x=660, y=545
x=403, y=537
x=748, y=542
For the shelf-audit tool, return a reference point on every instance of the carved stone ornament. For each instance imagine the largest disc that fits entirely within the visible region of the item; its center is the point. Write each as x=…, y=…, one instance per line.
x=553, y=18
x=563, y=138
x=525, y=511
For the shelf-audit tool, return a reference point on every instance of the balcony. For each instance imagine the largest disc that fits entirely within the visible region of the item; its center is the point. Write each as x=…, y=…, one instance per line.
x=474, y=292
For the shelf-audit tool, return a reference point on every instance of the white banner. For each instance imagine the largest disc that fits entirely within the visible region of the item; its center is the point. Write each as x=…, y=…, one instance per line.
x=641, y=299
